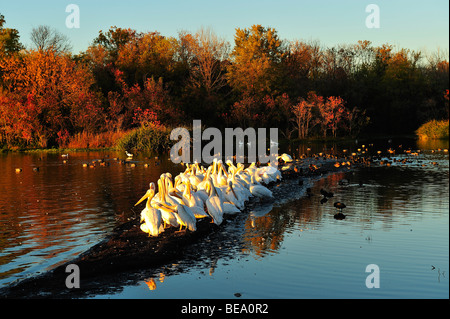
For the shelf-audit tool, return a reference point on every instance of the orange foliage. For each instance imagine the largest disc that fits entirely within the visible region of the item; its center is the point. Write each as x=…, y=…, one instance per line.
x=46, y=94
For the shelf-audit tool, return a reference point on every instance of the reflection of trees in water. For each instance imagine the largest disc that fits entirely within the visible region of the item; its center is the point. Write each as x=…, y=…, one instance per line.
x=373, y=194
x=265, y=233
x=396, y=192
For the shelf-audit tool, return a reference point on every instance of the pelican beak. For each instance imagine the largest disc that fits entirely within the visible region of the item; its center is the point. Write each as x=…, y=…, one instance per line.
x=147, y=195
x=188, y=185
x=175, y=193
x=224, y=170
x=208, y=188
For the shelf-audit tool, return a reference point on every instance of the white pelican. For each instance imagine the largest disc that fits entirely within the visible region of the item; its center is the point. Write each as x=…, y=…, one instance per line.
x=221, y=179
x=172, y=206
x=230, y=208
x=186, y=217
x=194, y=210
x=213, y=174
x=269, y=174
x=195, y=175
x=214, y=204
x=285, y=157
x=204, y=182
x=168, y=187
x=242, y=192
x=175, y=203
x=192, y=198
x=183, y=214
x=275, y=173
x=168, y=216
x=151, y=216
x=232, y=197
x=230, y=165
x=259, y=190
x=243, y=176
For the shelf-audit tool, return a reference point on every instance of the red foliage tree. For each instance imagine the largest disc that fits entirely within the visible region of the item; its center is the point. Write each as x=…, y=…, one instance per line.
x=46, y=94
x=136, y=105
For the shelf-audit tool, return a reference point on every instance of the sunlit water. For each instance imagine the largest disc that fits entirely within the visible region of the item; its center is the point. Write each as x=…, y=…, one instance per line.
x=396, y=217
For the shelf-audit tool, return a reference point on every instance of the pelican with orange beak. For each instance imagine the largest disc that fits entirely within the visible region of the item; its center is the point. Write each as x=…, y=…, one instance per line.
x=149, y=215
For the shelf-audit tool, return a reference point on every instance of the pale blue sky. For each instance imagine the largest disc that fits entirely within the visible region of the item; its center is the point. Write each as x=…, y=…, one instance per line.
x=417, y=25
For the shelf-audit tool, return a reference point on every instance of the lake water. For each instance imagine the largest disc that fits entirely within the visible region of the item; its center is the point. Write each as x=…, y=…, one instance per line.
x=396, y=218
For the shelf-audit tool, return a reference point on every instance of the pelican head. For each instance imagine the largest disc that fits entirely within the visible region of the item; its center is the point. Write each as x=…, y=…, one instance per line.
x=149, y=194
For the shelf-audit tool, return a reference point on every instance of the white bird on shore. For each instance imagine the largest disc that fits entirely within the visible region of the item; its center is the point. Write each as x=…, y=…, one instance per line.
x=150, y=216
x=239, y=187
x=129, y=155
x=214, y=204
x=194, y=201
x=183, y=214
x=232, y=197
x=194, y=210
x=259, y=190
x=186, y=217
x=222, y=175
x=285, y=157
x=171, y=208
x=168, y=216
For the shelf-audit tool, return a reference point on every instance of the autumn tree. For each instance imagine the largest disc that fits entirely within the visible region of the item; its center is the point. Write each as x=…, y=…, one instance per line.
x=256, y=55
x=301, y=66
x=357, y=120
x=113, y=39
x=136, y=105
x=202, y=60
x=332, y=113
x=304, y=113
x=277, y=113
x=246, y=112
x=207, y=65
x=53, y=92
x=147, y=55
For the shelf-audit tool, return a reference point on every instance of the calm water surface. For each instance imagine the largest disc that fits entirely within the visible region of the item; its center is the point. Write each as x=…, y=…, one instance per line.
x=398, y=220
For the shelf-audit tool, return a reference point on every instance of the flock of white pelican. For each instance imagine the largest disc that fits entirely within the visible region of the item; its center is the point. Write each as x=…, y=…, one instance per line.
x=201, y=192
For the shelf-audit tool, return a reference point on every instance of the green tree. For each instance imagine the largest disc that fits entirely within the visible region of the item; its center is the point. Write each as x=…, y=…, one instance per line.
x=9, y=38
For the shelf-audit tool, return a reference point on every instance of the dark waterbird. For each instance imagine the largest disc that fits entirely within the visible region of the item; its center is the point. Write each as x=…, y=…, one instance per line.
x=339, y=206
x=325, y=193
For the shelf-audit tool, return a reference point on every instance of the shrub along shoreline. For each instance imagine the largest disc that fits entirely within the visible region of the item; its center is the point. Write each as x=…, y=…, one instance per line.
x=434, y=129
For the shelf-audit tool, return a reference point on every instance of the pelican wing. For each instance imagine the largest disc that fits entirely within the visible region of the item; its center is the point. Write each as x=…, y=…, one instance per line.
x=215, y=209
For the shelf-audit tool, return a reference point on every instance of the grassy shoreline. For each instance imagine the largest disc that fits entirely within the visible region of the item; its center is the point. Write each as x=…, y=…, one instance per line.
x=126, y=143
